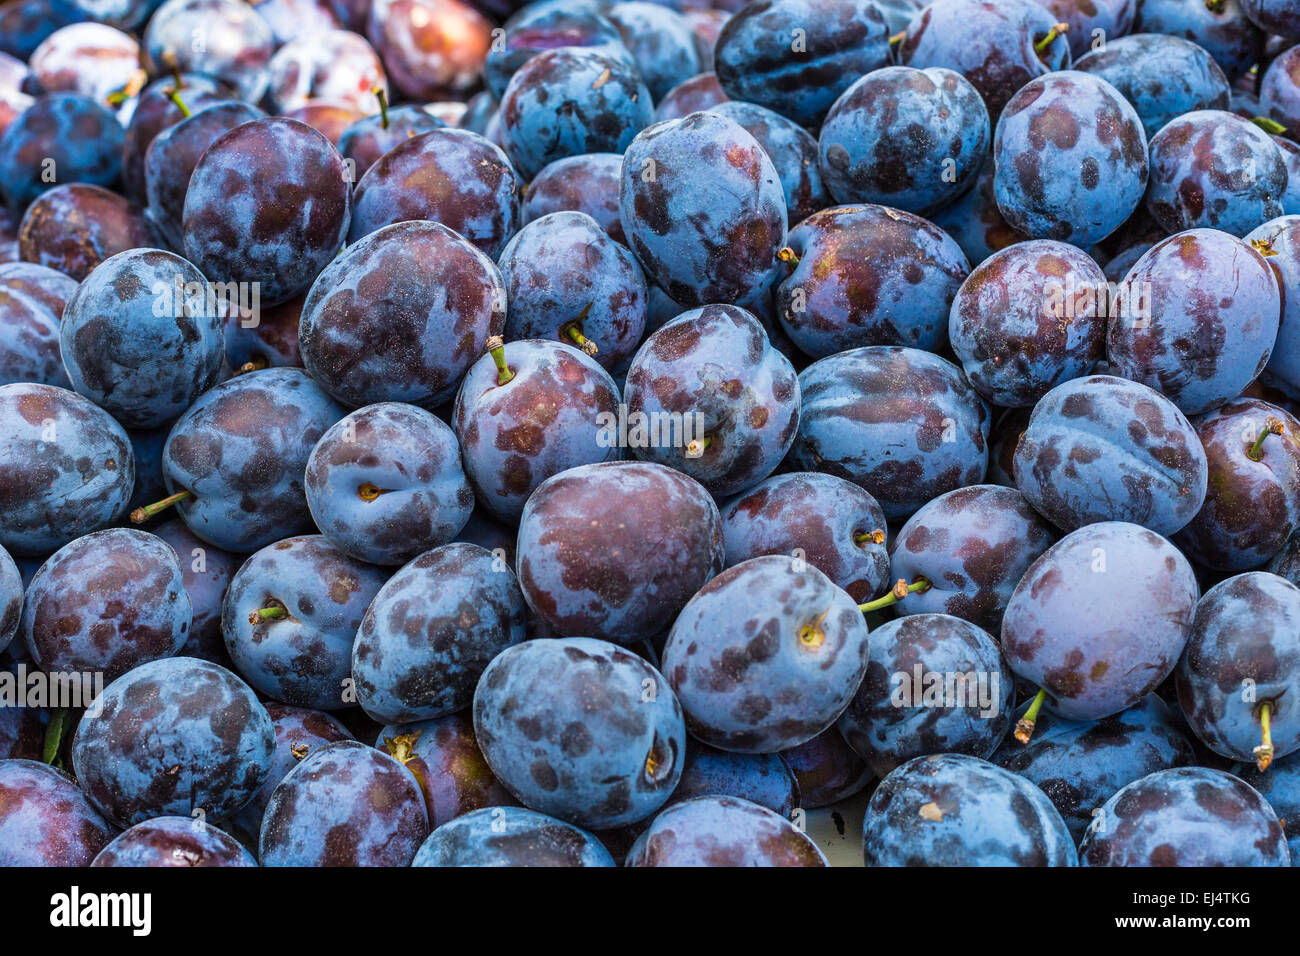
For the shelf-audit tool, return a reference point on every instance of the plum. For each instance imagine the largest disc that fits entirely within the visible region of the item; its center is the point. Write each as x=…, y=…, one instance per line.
x=826, y=770
x=432, y=48
x=723, y=831
x=47, y=820
x=510, y=836
x=32, y=298
x=764, y=779
x=75, y=227
x=700, y=92
x=366, y=140
x=236, y=43
x=586, y=184
x=1280, y=17
x=1092, y=21
x=333, y=65
x=61, y=138
x=661, y=41
x=1220, y=27
x=174, y=841
x=793, y=152
x=205, y=573
x=541, y=27
x=1278, y=240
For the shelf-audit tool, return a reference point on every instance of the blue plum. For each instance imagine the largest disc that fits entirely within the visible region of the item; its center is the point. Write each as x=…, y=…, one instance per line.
x=827, y=521
x=141, y=338
x=270, y=203
x=1185, y=816
x=61, y=138
x=793, y=152
x=766, y=655
x=1220, y=27
x=1278, y=240
x=972, y=545
x=206, y=573
x=1280, y=786
x=975, y=222
x=171, y=737
x=1091, y=21
x=593, y=766
x=1103, y=448
x=237, y=457
x=76, y=226
x=1213, y=169
x=549, y=26
x=174, y=841
x=1100, y=619
x=539, y=417
x=903, y=424
x=1029, y=318
x=568, y=102
x=32, y=298
x=661, y=41
x=11, y=598
x=510, y=836
x=958, y=810
x=587, y=184
x=764, y=779
x=430, y=632
x=826, y=770
x=715, y=366
x=908, y=138
x=616, y=549
x=346, y=804
x=702, y=207
x=1079, y=764
x=68, y=468
x=290, y=616
x=105, y=603
x=47, y=820
x=1280, y=17
x=236, y=48
x=366, y=140
x=1070, y=159
x=723, y=831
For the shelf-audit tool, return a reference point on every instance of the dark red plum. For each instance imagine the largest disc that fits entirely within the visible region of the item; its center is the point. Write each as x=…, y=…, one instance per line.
x=290, y=616
x=264, y=337
x=1219, y=27
x=907, y=138
x=269, y=202
x=238, y=455
x=106, y=603
x=385, y=484
x=826, y=770
x=155, y=111
x=510, y=836
x=972, y=545
x=346, y=804
x=1209, y=319
x=616, y=548
x=541, y=27
x=68, y=468
x=867, y=275
x=715, y=368
x=170, y=160
x=432, y=48
x=1103, y=448
x=601, y=766
x=723, y=831
x=827, y=521
x=32, y=298
x=1279, y=96
x=11, y=600
x=957, y=810
x=793, y=152
x=1080, y=764
x=1029, y=318
x=172, y=737
x=61, y=138
x=235, y=49
x=567, y=280
x=74, y=228
x=430, y=632
x=902, y=424
x=401, y=315
x=934, y=684
x=1163, y=77
x=702, y=207
x=1279, y=242
x=1070, y=159
x=1100, y=619
x=366, y=140
x=798, y=56
x=539, y=417
x=174, y=841
x=333, y=65
x=1185, y=816
x=331, y=120
x=206, y=573
x=1253, y=501
x=690, y=96
x=449, y=176
x=1216, y=170
x=445, y=759
x=766, y=656
x=586, y=184
x=993, y=44
x=1280, y=17
x=1240, y=673
x=764, y=779
x=47, y=821
x=1003, y=439
x=568, y=102
x=299, y=733
x=141, y=339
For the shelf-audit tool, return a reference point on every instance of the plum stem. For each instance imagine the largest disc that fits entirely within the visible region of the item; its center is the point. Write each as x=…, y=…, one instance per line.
x=141, y=515
x=1057, y=31
x=898, y=38
x=900, y=590
x=129, y=89
x=1264, y=752
x=272, y=612
x=874, y=537
x=54, y=735
x=255, y=364
x=401, y=747
x=174, y=95
x=580, y=340
x=1264, y=247
x=813, y=634
x=368, y=492
x=1272, y=426
x=788, y=255
x=696, y=447
x=1270, y=126
x=1215, y=6
x=496, y=346
x=1025, y=725
x=383, y=105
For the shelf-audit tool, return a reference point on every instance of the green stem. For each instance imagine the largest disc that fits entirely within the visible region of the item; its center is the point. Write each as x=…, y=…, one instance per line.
x=274, y=612
x=788, y=256
x=869, y=537
x=175, y=96
x=1272, y=426
x=1057, y=31
x=496, y=347
x=141, y=515
x=383, y=104
x=54, y=735
x=1025, y=725
x=1264, y=752
x=901, y=590
x=1270, y=126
